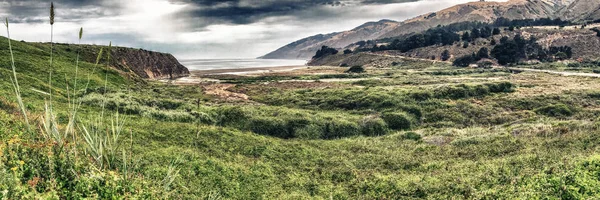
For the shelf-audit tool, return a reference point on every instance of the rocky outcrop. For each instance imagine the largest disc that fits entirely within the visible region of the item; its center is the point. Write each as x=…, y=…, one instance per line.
x=149, y=64
x=143, y=63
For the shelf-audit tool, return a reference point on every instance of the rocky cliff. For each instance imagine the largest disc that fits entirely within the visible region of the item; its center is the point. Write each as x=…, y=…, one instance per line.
x=143, y=63
x=574, y=10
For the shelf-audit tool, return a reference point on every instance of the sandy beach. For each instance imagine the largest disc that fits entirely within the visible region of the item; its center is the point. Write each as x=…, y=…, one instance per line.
x=241, y=71
x=198, y=76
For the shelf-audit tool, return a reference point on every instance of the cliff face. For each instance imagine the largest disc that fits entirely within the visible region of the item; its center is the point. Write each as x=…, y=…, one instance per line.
x=574, y=10
x=148, y=64
x=143, y=63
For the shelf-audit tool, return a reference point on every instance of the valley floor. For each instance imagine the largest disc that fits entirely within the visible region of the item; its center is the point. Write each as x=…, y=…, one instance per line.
x=415, y=130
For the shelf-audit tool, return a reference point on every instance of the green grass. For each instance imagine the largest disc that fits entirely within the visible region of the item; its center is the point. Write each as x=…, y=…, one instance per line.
x=416, y=133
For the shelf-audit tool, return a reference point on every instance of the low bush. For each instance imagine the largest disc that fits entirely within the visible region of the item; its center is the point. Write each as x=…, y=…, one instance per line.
x=398, y=121
x=373, y=126
x=411, y=136
x=557, y=110
x=270, y=126
x=340, y=128
x=356, y=69
x=466, y=91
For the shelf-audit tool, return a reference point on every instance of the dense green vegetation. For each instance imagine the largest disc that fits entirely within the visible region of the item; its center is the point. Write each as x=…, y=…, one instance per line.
x=408, y=131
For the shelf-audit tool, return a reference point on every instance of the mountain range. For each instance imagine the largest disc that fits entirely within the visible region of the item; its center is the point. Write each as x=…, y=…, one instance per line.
x=481, y=11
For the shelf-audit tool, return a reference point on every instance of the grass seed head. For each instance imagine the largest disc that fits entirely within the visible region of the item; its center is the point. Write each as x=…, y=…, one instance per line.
x=80, y=32
x=6, y=23
x=52, y=13
x=99, y=56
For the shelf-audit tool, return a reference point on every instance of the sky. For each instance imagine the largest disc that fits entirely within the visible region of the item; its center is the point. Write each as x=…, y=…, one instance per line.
x=193, y=29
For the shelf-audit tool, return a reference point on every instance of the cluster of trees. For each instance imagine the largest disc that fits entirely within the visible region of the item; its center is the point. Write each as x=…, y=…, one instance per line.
x=325, y=51
x=484, y=32
x=530, y=22
x=465, y=61
x=511, y=51
x=447, y=35
x=436, y=36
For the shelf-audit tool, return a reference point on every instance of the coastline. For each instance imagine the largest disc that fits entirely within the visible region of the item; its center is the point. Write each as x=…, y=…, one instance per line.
x=243, y=71
x=196, y=76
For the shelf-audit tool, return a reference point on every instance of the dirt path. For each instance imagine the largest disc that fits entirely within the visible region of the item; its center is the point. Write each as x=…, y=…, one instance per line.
x=556, y=72
x=220, y=90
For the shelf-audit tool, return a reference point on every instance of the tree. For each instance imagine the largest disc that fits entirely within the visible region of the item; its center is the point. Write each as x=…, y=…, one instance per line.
x=445, y=55
x=356, y=69
x=561, y=56
x=506, y=53
x=347, y=51
x=496, y=31
x=324, y=51
x=486, y=32
x=503, y=39
x=493, y=41
x=466, y=36
x=463, y=61
x=475, y=33
x=483, y=53
x=465, y=44
x=511, y=28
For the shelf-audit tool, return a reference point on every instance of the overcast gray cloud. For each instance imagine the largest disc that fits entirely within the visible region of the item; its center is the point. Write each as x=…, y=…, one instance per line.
x=203, y=28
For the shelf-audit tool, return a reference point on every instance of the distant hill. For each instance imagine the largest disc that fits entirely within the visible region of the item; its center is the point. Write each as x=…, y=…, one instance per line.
x=306, y=48
x=572, y=10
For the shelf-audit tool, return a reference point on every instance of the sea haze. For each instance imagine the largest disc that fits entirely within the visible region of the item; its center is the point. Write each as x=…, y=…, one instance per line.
x=212, y=64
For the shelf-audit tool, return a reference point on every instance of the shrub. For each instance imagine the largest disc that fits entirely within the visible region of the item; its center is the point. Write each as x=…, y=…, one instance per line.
x=231, y=115
x=270, y=126
x=325, y=51
x=411, y=136
x=464, y=61
x=398, y=121
x=485, y=64
x=557, y=110
x=373, y=126
x=356, y=69
x=340, y=128
x=445, y=55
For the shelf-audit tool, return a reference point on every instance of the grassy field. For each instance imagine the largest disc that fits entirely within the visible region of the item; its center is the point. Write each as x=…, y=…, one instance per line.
x=409, y=131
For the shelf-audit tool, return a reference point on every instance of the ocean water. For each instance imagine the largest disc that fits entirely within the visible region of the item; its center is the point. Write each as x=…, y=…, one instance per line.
x=212, y=64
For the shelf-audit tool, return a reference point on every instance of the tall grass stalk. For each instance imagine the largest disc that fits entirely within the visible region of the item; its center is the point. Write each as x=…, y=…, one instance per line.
x=106, y=79
x=51, y=51
x=73, y=104
x=14, y=80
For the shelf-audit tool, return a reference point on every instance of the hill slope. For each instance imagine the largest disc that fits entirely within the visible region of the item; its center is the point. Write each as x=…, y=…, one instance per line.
x=577, y=10
x=306, y=48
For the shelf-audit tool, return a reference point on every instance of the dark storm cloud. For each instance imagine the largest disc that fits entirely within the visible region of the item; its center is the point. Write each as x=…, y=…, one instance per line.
x=250, y=11
x=30, y=11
